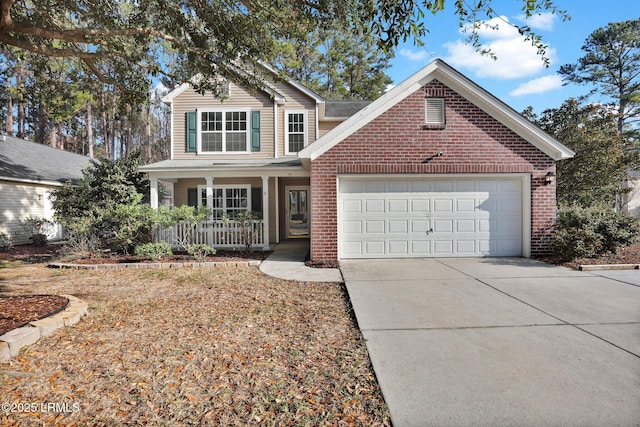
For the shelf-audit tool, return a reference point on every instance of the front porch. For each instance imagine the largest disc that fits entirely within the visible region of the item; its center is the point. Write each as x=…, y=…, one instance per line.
x=277, y=191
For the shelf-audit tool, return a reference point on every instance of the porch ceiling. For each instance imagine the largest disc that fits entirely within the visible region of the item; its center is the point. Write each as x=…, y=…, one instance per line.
x=195, y=168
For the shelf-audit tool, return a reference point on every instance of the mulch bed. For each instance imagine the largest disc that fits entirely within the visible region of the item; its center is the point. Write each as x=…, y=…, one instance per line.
x=18, y=311
x=220, y=256
x=626, y=255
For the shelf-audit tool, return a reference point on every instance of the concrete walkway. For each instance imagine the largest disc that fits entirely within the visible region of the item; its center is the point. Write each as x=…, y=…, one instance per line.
x=287, y=262
x=499, y=341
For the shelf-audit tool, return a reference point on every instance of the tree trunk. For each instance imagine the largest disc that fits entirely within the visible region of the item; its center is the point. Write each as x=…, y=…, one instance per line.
x=105, y=126
x=148, y=130
x=9, y=124
x=21, y=110
x=89, y=128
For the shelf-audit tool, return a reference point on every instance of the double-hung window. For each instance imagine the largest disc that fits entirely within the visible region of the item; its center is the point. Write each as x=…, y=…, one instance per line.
x=223, y=131
x=295, y=131
x=228, y=200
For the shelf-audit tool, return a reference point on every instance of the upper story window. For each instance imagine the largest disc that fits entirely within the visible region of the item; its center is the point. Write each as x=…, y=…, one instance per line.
x=223, y=132
x=434, y=112
x=295, y=137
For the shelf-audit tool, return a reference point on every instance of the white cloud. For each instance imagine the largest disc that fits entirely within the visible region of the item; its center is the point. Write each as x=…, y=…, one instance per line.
x=516, y=57
x=539, y=21
x=539, y=85
x=419, y=56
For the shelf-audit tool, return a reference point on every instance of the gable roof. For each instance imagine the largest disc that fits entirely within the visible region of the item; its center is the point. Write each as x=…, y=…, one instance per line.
x=26, y=161
x=272, y=92
x=447, y=75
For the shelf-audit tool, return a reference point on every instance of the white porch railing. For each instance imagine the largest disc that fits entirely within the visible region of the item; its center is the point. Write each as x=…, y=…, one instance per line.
x=217, y=234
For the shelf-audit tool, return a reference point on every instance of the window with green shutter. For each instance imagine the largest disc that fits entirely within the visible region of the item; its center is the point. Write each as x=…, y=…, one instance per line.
x=255, y=131
x=191, y=131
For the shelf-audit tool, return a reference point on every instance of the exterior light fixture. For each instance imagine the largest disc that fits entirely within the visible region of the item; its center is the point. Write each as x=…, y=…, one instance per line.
x=549, y=177
x=428, y=159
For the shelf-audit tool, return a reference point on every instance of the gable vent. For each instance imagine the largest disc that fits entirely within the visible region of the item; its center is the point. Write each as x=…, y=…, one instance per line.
x=434, y=109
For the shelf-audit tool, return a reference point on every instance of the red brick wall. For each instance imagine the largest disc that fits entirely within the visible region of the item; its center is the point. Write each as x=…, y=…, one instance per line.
x=398, y=141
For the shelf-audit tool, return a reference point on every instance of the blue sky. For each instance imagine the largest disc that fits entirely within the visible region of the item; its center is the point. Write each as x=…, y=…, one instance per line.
x=518, y=77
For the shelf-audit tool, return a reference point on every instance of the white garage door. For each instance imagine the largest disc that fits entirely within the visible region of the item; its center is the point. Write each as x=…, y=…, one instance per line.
x=437, y=217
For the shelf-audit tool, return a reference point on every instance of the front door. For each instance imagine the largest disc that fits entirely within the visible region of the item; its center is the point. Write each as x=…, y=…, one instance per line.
x=297, y=212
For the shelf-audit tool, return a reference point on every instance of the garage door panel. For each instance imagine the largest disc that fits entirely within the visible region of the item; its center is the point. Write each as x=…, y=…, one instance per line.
x=399, y=247
x=443, y=247
x=352, y=206
x=374, y=248
x=466, y=247
x=420, y=186
x=442, y=226
x=420, y=206
x=398, y=186
x=421, y=247
x=420, y=226
x=374, y=186
x=398, y=226
x=374, y=206
x=374, y=227
x=352, y=249
x=413, y=217
x=465, y=205
x=443, y=205
x=443, y=186
x=352, y=227
x=465, y=226
x=398, y=205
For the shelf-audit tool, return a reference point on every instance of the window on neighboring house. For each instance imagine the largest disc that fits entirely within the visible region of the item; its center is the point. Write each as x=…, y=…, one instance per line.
x=227, y=200
x=295, y=131
x=224, y=132
x=434, y=112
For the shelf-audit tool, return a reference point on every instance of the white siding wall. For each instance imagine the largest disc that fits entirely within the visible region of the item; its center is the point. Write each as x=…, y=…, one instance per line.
x=17, y=202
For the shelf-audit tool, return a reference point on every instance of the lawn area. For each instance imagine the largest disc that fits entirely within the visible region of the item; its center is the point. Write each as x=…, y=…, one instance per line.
x=226, y=346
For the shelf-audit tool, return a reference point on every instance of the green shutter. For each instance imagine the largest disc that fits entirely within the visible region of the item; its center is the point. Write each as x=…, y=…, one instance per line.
x=191, y=131
x=255, y=131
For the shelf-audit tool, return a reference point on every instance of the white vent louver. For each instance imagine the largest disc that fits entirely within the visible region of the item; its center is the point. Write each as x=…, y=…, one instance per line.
x=434, y=111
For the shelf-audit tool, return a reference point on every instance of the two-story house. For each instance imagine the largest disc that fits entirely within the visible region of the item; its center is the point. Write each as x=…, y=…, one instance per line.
x=435, y=167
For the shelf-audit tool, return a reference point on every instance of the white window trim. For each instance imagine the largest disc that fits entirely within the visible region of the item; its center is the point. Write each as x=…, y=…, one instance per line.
x=286, y=130
x=202, y=188
x=224, y=142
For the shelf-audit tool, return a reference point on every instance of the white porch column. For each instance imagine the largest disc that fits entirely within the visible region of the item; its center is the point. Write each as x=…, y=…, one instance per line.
x=265, y=211
x=209, y=180
x=153, y=193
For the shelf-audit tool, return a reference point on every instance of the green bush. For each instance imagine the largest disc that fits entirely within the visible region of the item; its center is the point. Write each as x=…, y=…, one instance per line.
x=583, y=232
x=200, y=251
x=5, y=241
x=153, y=250
x=36, y=229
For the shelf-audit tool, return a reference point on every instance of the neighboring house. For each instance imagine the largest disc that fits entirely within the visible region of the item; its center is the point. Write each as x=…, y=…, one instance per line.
x=29, y=172
x=630, y=202
x=435, y=167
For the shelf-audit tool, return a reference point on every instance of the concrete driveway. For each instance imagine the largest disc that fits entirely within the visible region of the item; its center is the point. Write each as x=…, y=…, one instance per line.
x=500, y=341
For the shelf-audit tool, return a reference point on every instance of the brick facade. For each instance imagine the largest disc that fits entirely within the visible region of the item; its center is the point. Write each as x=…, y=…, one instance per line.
x=398, y=141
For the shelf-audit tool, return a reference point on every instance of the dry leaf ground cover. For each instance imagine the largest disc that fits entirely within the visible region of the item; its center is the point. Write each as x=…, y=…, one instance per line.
x=224, y=346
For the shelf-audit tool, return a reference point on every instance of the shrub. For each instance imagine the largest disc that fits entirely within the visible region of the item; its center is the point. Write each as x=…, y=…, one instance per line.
x=36, y=229
x=153, y=250
x=200, y=251
x=590, y=231
x=5, y=241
